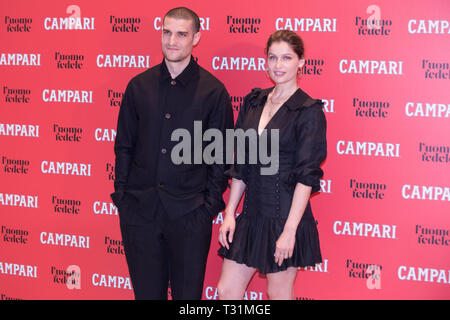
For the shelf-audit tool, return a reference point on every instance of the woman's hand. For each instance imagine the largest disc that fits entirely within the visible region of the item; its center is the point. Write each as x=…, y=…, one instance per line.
x=285, y=246
x=228, y=227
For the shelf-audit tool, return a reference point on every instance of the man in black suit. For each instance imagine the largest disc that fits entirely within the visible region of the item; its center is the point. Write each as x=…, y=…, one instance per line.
x=166, y=209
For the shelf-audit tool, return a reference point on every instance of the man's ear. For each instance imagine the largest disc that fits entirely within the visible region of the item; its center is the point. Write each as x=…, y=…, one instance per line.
x=197, y=37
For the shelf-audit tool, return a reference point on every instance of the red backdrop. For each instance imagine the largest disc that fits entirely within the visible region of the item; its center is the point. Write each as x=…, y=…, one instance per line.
x=382, y=69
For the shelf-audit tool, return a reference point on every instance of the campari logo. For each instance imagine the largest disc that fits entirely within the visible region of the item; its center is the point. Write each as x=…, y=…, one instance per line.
x=211, y=293
x=66, y=168
x=105, y=134
x=19, y=130
x=371, y=149
x=204, y=23
x=418, y=192
x=376, y=67
x=319, y=267
x=364, y=229
x=424, y=274
x=427, y=110
x=65, y=240
x=306, y=24
x=122, y=61
x=76, y=21
x=67, y=96
x=328, y=105
x=104, y=208
x=239, y=63
x=18, y=200
x=20, y=59
x=18, y=270
x=325, y=186
x=428, y=26
x=111, y=281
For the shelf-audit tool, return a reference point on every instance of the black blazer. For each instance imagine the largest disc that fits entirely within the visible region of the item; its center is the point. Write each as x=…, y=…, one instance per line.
x=153, y=106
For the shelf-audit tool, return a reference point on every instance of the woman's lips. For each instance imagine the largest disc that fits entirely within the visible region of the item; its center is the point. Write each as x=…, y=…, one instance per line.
x=279, y=73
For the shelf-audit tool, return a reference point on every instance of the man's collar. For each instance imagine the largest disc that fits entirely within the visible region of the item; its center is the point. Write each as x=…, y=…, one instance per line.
x=189, y=73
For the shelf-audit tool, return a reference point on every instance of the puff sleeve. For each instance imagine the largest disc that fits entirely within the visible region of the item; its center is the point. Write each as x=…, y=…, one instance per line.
x=311, y=147
x=240, y=171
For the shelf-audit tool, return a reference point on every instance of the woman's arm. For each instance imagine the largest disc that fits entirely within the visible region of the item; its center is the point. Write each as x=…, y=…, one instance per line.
x=286, y=241
x=228, y=225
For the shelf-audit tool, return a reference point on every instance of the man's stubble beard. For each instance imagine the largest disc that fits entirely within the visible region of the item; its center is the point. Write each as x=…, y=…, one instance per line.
x=176, y=59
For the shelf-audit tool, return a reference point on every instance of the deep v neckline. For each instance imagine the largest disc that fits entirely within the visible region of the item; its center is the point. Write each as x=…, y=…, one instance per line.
x=268, y=122
x=274, y=115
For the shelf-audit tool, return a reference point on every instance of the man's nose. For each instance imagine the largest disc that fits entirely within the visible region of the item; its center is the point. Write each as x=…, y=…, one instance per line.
x=172, y=39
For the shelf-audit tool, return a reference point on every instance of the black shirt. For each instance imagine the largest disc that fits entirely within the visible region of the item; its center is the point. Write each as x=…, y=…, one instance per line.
x=153, y=106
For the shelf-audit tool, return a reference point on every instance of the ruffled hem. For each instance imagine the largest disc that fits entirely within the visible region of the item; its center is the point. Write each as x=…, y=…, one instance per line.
x=254, y=244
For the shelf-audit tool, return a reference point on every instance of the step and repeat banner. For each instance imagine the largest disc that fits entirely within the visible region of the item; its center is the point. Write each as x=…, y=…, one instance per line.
x=382, y=69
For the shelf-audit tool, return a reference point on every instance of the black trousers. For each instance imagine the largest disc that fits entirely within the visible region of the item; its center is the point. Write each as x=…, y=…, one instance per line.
x=168, y=251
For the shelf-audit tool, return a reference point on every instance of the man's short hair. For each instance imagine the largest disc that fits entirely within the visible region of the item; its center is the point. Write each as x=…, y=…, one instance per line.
x=187, y=14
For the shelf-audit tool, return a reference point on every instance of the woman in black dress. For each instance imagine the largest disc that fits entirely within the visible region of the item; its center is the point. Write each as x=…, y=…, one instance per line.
x=276, y=232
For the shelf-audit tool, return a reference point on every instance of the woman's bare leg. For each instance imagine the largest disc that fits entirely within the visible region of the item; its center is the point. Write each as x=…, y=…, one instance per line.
x=234, y=280
x=280, y=285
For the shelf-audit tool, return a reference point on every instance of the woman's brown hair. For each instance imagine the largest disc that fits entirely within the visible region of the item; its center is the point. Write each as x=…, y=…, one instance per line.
x=291, y=38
